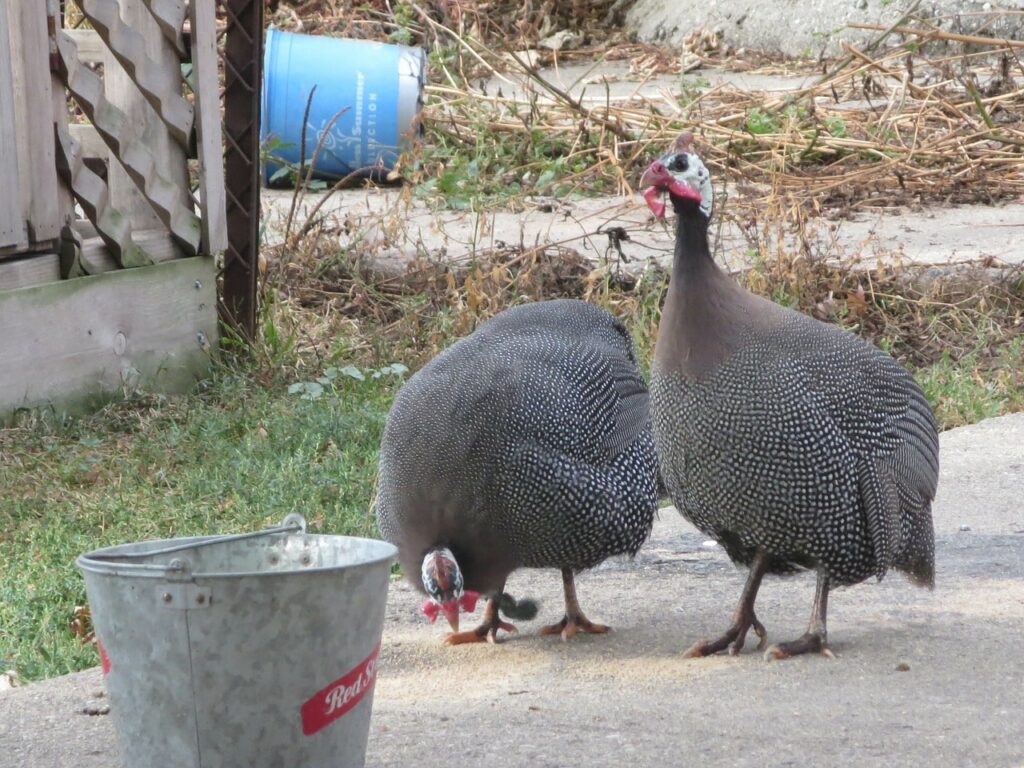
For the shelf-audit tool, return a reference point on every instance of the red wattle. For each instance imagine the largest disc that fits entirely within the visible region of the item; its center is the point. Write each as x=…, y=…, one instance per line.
x=679, y=189
x=654, y=203
x=468, y=600
x=430, y=610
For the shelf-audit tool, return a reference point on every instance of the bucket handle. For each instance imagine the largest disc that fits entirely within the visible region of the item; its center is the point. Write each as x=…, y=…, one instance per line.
x=293, y=522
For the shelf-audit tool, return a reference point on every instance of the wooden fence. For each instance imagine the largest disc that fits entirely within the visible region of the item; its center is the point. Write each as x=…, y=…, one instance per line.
x=112, y=196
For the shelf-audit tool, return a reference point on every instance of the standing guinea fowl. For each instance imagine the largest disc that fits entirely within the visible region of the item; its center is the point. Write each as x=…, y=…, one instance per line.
x=793, y=443
x=525, y=444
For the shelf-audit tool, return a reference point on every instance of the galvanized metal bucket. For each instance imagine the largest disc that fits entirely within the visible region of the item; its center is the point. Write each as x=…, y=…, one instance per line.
x=250, y=650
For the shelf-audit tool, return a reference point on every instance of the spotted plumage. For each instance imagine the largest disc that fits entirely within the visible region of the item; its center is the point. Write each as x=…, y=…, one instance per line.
x=792, y=442
x=525, y=444
x=806, y=442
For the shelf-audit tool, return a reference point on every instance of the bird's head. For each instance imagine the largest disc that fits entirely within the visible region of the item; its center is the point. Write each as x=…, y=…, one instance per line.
x=443, y=583
x=682, y=176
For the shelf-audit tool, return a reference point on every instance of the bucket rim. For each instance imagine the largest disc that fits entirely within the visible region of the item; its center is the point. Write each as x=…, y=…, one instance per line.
x=89, y=562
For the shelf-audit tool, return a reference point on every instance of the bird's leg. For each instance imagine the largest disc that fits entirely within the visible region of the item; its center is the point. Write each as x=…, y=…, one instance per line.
x=743, y=619
x=488, y=629
x=815, y=639
x=573, y=620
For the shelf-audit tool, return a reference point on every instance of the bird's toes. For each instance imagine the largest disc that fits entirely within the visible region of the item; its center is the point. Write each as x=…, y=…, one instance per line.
x=774, y=652
x=761, y=632
x=569, y=632
x=595, y=629
x=510, y=628
x=555, y=629
x=809, y=643
x=697, y=650
x=460, y=638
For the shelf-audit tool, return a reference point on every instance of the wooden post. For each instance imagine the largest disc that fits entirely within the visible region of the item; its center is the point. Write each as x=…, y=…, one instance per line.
x=30, y=60
x=59, y=99
x=12, y=223
x=211, y=149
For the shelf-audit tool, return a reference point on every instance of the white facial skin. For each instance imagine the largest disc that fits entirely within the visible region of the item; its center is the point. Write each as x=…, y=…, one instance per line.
x=695, y=175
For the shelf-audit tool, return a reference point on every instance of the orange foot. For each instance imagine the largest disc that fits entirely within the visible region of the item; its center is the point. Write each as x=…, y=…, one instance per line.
x=810, y=642
x=487, y=631
x=733, y=638
x=570, y=625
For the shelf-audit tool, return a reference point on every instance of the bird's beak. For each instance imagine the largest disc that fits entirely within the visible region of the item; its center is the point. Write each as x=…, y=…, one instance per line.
x=656, y=175
x=451, y=612
x=656, y=180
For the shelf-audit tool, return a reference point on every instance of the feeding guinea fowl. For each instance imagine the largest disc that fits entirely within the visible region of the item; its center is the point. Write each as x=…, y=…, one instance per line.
x=793, y=443
x=525, y=444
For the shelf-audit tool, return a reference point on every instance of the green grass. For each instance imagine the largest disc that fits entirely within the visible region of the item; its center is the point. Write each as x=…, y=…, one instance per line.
x=236, y=456
x=975, y=387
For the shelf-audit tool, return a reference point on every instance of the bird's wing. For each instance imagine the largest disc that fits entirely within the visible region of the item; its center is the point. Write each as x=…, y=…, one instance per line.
x=633, y=409
x=888, y=422
x=876, y=403
x=881, y=508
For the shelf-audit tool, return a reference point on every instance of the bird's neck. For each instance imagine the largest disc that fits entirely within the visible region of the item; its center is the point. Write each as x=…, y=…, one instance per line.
x=692, y=263
x=696, y=330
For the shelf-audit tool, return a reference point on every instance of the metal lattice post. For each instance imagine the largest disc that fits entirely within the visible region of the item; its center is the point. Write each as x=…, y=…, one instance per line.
x=243, y=67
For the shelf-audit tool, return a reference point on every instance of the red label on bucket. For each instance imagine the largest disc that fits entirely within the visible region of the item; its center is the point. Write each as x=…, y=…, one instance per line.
x=104, y=659
x=332, y=702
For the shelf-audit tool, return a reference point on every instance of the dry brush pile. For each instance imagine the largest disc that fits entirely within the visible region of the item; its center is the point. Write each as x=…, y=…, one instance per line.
x=929, y=119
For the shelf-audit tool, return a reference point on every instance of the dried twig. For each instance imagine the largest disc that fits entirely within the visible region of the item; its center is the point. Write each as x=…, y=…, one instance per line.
x=873, y=44
x=941, y=34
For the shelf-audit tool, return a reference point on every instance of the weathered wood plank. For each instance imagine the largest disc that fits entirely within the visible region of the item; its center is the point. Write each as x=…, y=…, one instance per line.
x=30, y=60
x=12, y=224
x=122, y=93
x=31, y=270
x=93, y=195
x=158, y=79
x=211, y=150
x=69, y=343
x=170, y=16
x=96, y=259
x=91, y=48
x=159, y=182
x=16, y=252
x=59, y=110
x=89, y=140
x=85, y=228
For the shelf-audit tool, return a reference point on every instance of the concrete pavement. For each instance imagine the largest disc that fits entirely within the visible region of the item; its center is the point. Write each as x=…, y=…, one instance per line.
x=921, y=678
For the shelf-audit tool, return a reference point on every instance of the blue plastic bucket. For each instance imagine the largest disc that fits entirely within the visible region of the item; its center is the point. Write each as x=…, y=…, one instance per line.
x=381, y=85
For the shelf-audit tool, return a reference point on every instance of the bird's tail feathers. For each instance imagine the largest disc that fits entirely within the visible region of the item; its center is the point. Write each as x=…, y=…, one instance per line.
x=917, y=560
x=517, y=610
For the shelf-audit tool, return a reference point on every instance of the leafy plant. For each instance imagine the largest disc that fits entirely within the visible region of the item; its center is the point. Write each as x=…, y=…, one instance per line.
x=326, y=383
x=836, y=126
x=759, y=122
x=405, y=22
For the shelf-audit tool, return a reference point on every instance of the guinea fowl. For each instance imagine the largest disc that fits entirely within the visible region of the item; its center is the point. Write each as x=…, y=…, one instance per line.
x=793, y=443
x=526, y=444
